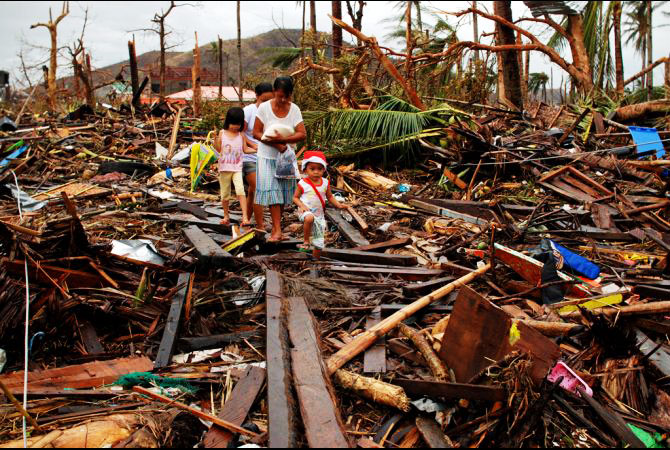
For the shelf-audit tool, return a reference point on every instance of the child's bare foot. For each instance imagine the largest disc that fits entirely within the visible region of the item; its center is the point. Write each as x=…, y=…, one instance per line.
x=275, y=238
x=304, y=246
x=225, y=222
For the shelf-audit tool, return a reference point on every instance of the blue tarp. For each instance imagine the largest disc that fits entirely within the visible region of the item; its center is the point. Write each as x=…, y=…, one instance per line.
x=647, y=139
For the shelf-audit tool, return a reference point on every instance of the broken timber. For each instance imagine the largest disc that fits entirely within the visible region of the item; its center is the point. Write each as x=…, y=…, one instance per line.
x=210, y=254
x=346, y=255
x=236, y=409
x=418, y=388
x=281, y=405
x=368, y=337
x=318, y=407
x=347, y=230
x=172, y=324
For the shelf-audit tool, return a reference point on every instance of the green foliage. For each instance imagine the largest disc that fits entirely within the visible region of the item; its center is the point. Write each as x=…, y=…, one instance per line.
x=395, y=125
x=283, y=57
x=213, y=114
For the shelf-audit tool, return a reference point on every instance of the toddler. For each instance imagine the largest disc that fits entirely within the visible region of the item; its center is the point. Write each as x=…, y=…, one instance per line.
x=232, y=144
x=309, y=196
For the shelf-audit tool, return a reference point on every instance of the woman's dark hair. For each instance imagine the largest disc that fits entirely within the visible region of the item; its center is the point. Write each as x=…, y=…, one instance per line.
x=284, y=84
x=263, y=88
x=234, y=116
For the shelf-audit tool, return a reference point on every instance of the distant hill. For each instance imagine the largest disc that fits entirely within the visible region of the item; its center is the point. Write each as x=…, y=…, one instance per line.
x=254, y=60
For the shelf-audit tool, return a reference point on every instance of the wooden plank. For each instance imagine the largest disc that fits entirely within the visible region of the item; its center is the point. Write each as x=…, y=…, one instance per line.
x=479, y=332
x=320, y=414
x=374, y=359
x=602, y=217
x=81, y=376
x=448, y=213
x=381, y=246
x=172, y=324
x=216, y=340
x=404, y=273
x=425, y=287
x=347, y=255
x=195, y=412
x=210, y=254
x=90, y=338
x=348, y=231
x=417, y=388
x=193, y=209
x=432, y=433
x=281, y=404
x=237, y=407
x=660, y=359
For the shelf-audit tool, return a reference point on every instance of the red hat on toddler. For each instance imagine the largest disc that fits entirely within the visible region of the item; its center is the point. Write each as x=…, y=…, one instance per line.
x=314, y=156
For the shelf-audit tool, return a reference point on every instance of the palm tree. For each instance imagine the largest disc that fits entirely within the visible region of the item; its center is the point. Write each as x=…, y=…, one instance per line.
x=538, y=81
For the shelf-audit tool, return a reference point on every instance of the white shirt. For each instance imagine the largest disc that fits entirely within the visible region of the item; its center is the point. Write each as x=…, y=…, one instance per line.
x=250, y=118
x=310, y=198
x=268, y=117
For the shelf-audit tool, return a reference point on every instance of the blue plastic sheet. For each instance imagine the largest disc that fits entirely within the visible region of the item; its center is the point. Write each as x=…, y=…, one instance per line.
x=647, y=139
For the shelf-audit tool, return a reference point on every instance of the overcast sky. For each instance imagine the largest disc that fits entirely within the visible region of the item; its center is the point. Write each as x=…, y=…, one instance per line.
x=110, y=24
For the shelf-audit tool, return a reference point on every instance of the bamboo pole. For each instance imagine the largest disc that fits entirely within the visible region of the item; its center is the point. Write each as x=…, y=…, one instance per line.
x=373, y=389
x=364, y=340
x=639, y=309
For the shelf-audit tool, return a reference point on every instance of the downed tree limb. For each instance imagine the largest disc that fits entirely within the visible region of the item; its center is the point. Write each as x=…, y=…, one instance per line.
x=368, y=337
x=385, y=61
x=373, y=389
x=640, y=110
x=200, y=414
x=437, y=367
x=552, y=329
x=646, y=70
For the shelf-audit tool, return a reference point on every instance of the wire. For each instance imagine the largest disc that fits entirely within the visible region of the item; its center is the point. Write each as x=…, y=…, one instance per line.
x=544, y=158
x=25, y=348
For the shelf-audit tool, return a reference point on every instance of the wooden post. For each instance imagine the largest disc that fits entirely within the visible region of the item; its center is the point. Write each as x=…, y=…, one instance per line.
x=195, y=74
x=172, y=324
x=667, y=78
x=239, y=53
x=134, y=78
x=220, y=68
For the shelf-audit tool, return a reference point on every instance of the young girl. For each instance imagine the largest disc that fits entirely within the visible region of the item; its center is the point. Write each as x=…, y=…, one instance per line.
x=232, y=145
x=310, y=198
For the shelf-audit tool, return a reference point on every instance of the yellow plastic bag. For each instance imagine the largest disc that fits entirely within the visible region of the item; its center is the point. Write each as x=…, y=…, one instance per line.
x=202, y=156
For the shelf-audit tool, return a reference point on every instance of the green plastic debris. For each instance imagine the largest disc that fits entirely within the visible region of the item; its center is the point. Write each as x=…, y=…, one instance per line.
x=146, y=379
x=649, y=440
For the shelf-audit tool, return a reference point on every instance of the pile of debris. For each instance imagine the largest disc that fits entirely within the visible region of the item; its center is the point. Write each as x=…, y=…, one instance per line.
x=510, y=290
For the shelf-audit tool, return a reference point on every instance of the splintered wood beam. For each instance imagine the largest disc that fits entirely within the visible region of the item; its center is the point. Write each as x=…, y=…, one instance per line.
x=346, y=255
x=281, y=404
x=209, y=253
x=432, y=434
x=374, y=359
x=381, y=246
x=172, y=324
x=348, y=231
x=237, y=407
x=320, y=414
x=418, y=388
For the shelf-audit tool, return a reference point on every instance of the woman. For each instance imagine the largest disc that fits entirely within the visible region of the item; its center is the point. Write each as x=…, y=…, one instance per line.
x=263, y=94
x=271, y=191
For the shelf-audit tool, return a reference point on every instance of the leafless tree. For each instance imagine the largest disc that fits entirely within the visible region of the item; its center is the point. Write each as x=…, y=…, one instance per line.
x=52, y=26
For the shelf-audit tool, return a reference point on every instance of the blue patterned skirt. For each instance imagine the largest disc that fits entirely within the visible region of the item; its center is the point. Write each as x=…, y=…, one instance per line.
x=269, y=189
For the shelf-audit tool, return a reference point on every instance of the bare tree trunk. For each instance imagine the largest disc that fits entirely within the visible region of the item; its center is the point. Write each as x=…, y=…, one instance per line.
x=220, y=68
x=161, y=94
x=618, y=56
x=524, y=74
x=337, y=30
x=667, y=78
x=511, y=69
x=408, y=39
x=134, y=78
x=52, y=26
x=302, y=34
x=88, y=85
x=239, y=51
x=419, y=22
x=312, y=25
x=357, y=17
x=580, y=57
x=195, y=75
x=475, y=29
x=650, y=53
